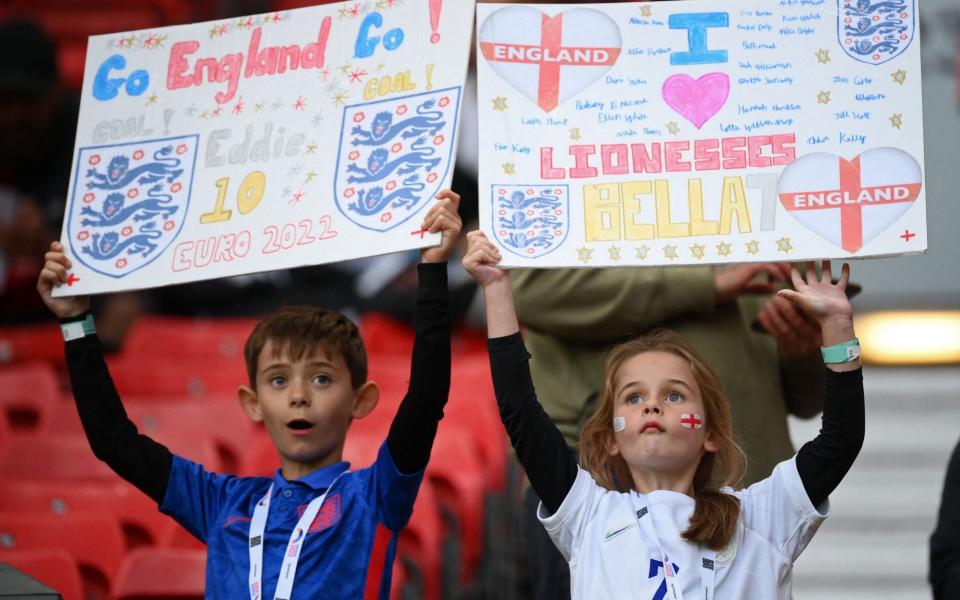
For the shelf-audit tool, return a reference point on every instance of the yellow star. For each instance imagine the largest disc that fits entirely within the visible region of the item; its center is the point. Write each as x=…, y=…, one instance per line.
x=670, y=252
x=346, y=68
x=258, y=106
x=574, y=133
x=823, y=97
x=152, y=99
x=673, y=128
x=340, y=98
x=584, y=254
x=500, y=103
x=614, y=252
x=753, y=247
x=723, y=249
x=310, y=176
x=896, y=120
x=823, y=56
x=642, y=252
x=783, y=245
x=899, y=76
x=645, y=10
x=697, y=251
x=311, y=148
x=509, y=168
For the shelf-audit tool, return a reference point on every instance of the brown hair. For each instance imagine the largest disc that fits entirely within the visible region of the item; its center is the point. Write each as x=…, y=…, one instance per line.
x=298, y=331
x=715, y=516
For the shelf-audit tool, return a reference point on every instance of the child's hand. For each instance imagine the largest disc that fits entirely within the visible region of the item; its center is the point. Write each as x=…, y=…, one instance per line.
x=443, y=217
x=824, y=301
x=481, y=260
x=54, y=274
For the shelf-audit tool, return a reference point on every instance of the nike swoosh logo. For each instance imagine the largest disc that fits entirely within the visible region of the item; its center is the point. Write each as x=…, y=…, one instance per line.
x=612, y=534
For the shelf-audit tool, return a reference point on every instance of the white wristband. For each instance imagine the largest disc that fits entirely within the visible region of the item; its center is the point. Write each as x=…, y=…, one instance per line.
x=77, y=329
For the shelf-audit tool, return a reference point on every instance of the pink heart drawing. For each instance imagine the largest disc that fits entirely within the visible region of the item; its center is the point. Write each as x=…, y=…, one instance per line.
x=697, y=99
x=850, y=202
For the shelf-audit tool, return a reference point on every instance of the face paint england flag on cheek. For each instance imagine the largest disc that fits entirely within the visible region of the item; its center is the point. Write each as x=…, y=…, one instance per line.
x=691, y=421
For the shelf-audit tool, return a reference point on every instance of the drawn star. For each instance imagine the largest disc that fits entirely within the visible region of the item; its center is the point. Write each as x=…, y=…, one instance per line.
x=128, y=42
x=381, y=66
x=753, y=247
x=212, y=32
x=645, y=10
x=823, y=97
x=325, y=72
x=217, y=111
x=899, y=76
x=823, y=56
x=697, y=251
x=642, y=252
x=190, y=110
x=381, y=4
x=574, y=133
x=152, y=99
x=670, y=252
x=614, y=253
x=345, y=68
x=295, y=199
x=784, y=245
x=238, y=107
x=584, y=254
x=310, y=176
x=724, y=249
x=500, y=103
x=295, y=169
x=245, y=23
x=332, y=86
x=258, y=106
x=342, y=13
x=357, y=75
x=300, y=103
x=286, y=191
x=315, y=121
x=311, y=148
x=205, y=115
x=277, y=17
x=509, y=168
x=673, y=128
x=340, y=98
x=276, y=105
x=354, y=11
x=897, y=120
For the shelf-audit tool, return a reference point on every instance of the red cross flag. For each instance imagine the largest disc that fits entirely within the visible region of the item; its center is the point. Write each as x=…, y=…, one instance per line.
x=691, y=421
x=849, y=202
x=550, y=58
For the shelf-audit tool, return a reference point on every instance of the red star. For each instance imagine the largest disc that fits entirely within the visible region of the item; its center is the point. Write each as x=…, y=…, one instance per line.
x=238, y=107
x=356, y=75
x=297, y=197
x=72, y=280
x=217, y=112
x=907, y=235
x=300, y=103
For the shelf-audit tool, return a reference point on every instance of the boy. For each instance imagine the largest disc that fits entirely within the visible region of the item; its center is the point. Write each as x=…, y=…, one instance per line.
x=316, y=529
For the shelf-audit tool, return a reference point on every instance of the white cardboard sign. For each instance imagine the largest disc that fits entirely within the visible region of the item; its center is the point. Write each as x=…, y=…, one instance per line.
x=271, y=141
x=689, y=132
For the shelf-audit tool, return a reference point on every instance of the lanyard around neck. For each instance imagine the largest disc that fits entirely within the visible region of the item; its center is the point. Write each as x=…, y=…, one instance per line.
x=288, y=569
x=708, y=557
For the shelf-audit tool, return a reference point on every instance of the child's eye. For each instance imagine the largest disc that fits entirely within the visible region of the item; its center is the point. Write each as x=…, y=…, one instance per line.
x=278, y=380
x=321, y=380
x=674, y=398
x=634, y=399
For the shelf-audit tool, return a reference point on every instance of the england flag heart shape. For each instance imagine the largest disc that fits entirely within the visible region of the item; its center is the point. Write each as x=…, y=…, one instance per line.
x=549, y=59
x=850, y=202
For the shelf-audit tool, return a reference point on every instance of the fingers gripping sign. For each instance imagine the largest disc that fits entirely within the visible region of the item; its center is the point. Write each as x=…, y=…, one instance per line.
x=56, y=272
x=443, y=218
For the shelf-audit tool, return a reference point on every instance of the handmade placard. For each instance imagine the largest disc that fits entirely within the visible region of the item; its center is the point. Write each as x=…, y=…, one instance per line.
x=691, y=132
x=265, y=142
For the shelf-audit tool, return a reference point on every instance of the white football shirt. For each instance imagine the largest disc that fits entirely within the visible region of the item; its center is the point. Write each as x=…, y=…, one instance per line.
x=597, y=531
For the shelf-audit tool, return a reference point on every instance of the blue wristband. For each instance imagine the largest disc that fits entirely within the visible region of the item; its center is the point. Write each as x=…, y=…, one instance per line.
x=842, y=352
x=77, y=329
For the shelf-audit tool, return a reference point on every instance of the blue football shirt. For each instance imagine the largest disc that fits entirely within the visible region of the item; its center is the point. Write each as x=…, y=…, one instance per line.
x=350, y=546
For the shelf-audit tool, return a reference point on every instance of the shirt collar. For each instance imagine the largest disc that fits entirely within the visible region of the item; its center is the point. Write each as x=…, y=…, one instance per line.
x=317, y=480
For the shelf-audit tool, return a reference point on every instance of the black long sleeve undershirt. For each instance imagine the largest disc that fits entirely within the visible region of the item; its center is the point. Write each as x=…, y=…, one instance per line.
x=146, y=463
x=551, y=465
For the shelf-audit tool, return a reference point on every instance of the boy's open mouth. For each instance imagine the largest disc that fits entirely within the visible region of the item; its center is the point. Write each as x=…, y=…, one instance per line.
x=299, y=425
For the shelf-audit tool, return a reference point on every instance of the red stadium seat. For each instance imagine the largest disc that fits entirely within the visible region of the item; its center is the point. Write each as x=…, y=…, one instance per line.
x=142, y=523
x=43, y=342
x=53, y=567
x=162, y=574
x=188, y=338
x=383, y=334
x=164, y=375
x=29, y=395
x=94, y=540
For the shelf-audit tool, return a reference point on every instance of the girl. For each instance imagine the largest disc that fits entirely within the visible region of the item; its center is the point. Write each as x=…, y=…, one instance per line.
x=648, y=512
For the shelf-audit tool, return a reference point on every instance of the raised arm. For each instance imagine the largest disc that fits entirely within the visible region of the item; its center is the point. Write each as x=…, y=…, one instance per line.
x=112, y=436
x=823, y=462
x=415, y=425
x=549, y=463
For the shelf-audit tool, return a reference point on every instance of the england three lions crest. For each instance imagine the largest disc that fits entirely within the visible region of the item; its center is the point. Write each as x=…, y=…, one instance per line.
x=875, y=31
x=530, y=220
x=394, y=155
x=129, y=201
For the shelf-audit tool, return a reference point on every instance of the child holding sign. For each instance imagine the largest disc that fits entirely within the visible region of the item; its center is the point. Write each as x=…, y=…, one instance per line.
x=648, y=511
x=315, y=528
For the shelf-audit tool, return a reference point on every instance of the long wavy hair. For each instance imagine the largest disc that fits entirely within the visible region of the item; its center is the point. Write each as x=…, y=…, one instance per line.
x=714, y=519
